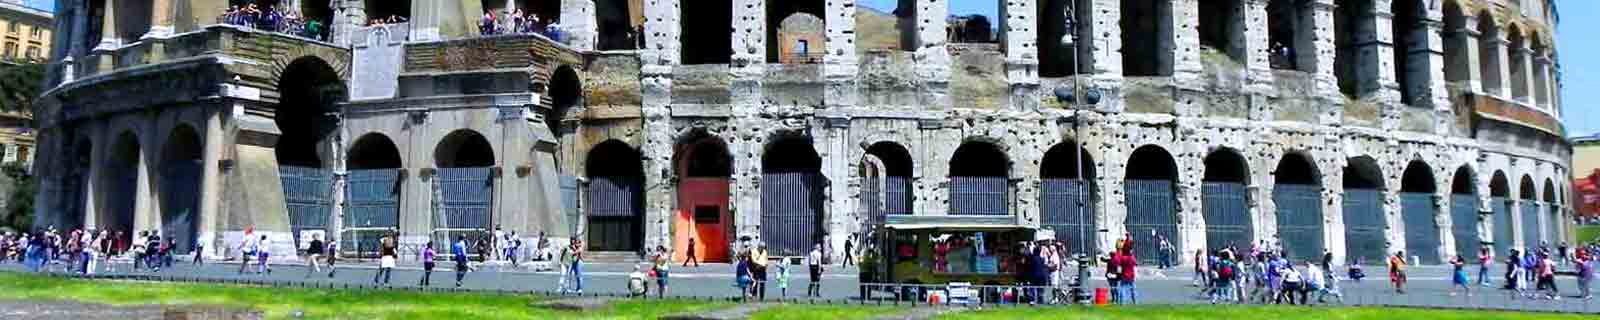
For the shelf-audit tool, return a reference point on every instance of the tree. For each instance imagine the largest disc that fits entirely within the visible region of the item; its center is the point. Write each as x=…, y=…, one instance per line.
x=18, y=212
x=19, y=86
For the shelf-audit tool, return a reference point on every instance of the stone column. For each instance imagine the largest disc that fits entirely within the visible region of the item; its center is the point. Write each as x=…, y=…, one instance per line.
x=1182, y=44
x=1333, y=207
x=146, y=213
x=1541, y=82
x=108, y=27
x=1522, y=73
x=211, y=185
x=579, y=21
x=1374, y=78
x=749, y=61
x=657, y=58
x=933, y=60
x=161, y=19
x=91, y=192
x=1441, y=218
x=1253, y=44
x=1518, y=227
x=840, y=66
x=1019, y=37
x=1494, y=65
x=1428, y=83
x=348, y=16
x=1466, y=67
x=1395, y=228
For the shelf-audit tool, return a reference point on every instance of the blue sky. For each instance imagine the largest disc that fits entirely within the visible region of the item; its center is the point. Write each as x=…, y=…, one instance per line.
x=989, y=8
x=1578, y=52
x=46, y=5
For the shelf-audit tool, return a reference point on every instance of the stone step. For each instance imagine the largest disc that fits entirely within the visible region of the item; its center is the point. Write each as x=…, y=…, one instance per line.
x=612, y=257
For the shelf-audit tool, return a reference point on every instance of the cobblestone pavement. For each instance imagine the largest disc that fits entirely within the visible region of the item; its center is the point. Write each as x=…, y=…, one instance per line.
x=1428, y=285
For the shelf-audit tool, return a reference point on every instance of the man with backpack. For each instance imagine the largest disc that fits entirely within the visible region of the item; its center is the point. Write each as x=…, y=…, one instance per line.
x=1224, y=280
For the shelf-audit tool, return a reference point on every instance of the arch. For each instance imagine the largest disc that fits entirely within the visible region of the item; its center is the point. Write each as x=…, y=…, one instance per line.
x=1297, y=168
x=703, y=163
x=1363, y=172
x=1351, y=17
x=1150, y=186
x=1550, y=228
x=706, y=17
x=1289, y=26
x=464, y=148
x=1502, y=211
x=897, y=167
x=181, y=168
x=1516, y=43
x=1499, y=185
x=373, y=151
x=792, y=193
x=382, y=10
x=119, y=182
x=1491, y=53
x=615, y=197
x=1457, y=65
x=979, y=180
x=1417, y=209
x=1529, y=190
x=1224, y=199
x=309, y=92
x=1409, y=36
x=700, y=154
x=620, y=24
x=1464, y=212
x=1297, y=191
x=1219, y=26
x=566, y=93
x=77, y=182
x=778, y=12
x=1528, y=211
x=1146, y=31
x=1066, y=198
x=1418, y=178
x=800, y=40
x=1364, y=218
x=1057, y=59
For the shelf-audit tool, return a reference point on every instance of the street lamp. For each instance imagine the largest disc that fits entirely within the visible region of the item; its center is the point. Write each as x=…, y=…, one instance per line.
x=1076, y=98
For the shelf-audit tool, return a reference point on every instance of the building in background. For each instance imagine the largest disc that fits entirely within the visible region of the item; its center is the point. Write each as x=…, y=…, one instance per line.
x=24, y=38
x=1586, y=175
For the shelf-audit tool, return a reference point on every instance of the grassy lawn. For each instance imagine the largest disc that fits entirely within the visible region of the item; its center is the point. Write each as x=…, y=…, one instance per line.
x=1588, y=233
x=824, y=312
x=280, y=303
x=1208, y=312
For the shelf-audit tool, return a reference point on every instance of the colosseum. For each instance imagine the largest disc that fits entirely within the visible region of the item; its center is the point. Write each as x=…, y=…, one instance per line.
x=1359, y=127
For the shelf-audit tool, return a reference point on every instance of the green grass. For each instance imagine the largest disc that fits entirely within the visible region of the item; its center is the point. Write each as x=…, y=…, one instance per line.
x=1208, y=312
x=281, y=303
x=1587, y=234
x=823, y=312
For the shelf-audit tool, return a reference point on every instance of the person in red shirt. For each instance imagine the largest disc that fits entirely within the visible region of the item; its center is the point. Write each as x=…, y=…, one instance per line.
x=1127, y=266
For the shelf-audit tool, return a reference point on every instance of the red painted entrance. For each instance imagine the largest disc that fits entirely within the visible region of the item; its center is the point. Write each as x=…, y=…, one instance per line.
x=702, y=214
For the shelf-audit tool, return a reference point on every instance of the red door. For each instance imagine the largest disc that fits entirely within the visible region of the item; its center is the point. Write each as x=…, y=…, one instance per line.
x=703, y=215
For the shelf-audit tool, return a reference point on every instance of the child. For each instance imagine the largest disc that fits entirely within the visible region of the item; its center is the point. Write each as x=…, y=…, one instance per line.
x=1459, y=277
x=783, y=279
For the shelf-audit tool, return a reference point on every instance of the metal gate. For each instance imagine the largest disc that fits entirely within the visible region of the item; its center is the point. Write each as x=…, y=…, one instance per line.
x=979, y=196
x=1152, y=210
x=464, y=198
x=1299, y=219
x=1464, y=224
x=1504, y=236
x=1227, y=214
x=1422, y=232
x=1552, y=225
x=897, y=196
x=569, y=203
x=872, y=200
x=616, y=205
x=1530, y=224
x=121, y=201
x=1363, y=226
x=373, y=208
x=180, y=193
x=72, y=194
x=308, y=193
x=1068, y=209
x=791, y=212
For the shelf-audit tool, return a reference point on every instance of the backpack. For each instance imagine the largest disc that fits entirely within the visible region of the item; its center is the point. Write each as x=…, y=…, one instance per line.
x=1226, y=272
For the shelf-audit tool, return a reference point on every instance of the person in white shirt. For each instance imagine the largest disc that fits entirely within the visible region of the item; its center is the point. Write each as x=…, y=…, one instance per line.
x=1292, y=285
x=814, y=260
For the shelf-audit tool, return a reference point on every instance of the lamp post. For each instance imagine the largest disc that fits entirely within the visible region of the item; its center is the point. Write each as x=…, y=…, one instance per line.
x=1077, y=98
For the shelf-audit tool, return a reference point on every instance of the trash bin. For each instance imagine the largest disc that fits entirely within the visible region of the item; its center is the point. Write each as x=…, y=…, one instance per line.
x=1101, y=296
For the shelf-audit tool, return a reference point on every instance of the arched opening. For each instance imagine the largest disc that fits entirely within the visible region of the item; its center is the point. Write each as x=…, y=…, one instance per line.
x=1297, y=192
x=464, y=181
x=795, y=31
x=1516, y=49
x=620, y=24
x=1417, y=212
x=181, y=168
x=372, y=186
x=1352, y=20
x=974, y=22
x=95, y=31
x=1457, y=65
x=713, y=18
x=309, y=91
x=1464, y=213
x=791, y=196
x=133, y=19
x=388, y=11
x=1500, y=202
x=1491, y=54
x=77, y=184
x=615, y=197
x=1218, y=27
x=979, y=180
x=704, y=165
x=1290, y=25
x=1409, y=38
x=1541, y=80
x=1152, y=201
x=1224, y=200
x=1057, y=20
x=1550, y=227
x=120, y=186
x=566, y=93
x=1364, y=223
x=1529, y=209
x=1066, y=201
x=897, y=194
x=1146, y=34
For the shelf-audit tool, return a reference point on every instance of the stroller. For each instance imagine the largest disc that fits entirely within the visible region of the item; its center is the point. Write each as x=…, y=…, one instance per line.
x=1355, y=271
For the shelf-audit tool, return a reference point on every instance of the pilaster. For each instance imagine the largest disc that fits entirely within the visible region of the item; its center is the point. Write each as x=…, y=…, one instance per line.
x=932, y=59
x=840, y=65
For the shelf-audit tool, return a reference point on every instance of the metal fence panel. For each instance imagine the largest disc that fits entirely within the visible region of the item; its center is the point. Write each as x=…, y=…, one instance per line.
x=1363, y=225
x=1227, y=214
x=1152, y=210
x=615, y=205
x=1067, y=207
x=1552, y=223
x=872, y=200
x=308, y=192
x=1464, y=224
x=464, y=202
x=791, y=204
x=1504, y=236
x=1530, y=224
x=374, y=199
x=897, y=195
x=1422, y=231
x=180, y=192
x=1299, y=219
x=122, y=201
x=979, y=196
x=569, y=203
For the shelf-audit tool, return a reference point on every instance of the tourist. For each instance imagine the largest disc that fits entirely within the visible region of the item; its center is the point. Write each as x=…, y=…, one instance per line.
x=1129, y=267
x=689, y=254
x=1325, y=282
x=1397, y=271
x=783, y=280
x=1292, y=281
x=92, y=255
x=1458, y=277
x=577, y=264
x=427, y=264
x=1163, y=252
x=814, y=261
x=1485, y=259
x=387, y=255
x=314, y=255
x=636, y=284
x=137, y=250
x=1561, y=253
x=565, y=264
x=1516, y=279
x=662, y=260
x=1223, y=281
x=1201, y=269
x=199, y=248
x=758, y=272
x=247, y=249
x=1585, y=270
x=1546, y=267
x=849, y=250
x=264, y=252
x=333, y=256
x=460, y=252
x=1113, y=273
x=741, y=278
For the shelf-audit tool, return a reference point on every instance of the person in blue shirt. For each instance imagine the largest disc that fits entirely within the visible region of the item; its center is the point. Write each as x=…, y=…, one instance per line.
x=459, y=250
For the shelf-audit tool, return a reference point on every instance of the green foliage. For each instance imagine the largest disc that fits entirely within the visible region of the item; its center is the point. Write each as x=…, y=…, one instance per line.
x=1587, y=234
x=18, y=213
x=19, y=86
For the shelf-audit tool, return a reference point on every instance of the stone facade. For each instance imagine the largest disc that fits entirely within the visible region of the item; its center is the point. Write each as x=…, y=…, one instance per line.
x=1344, y=102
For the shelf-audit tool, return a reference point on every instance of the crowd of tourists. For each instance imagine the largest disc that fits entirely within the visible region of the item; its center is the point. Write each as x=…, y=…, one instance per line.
x=519, y=23
x=273, y=19
x=87, y=251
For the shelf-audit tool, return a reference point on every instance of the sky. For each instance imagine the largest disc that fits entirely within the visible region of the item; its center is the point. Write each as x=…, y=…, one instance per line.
x=46, y=5
x=1578, y=53
x=989, y=8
